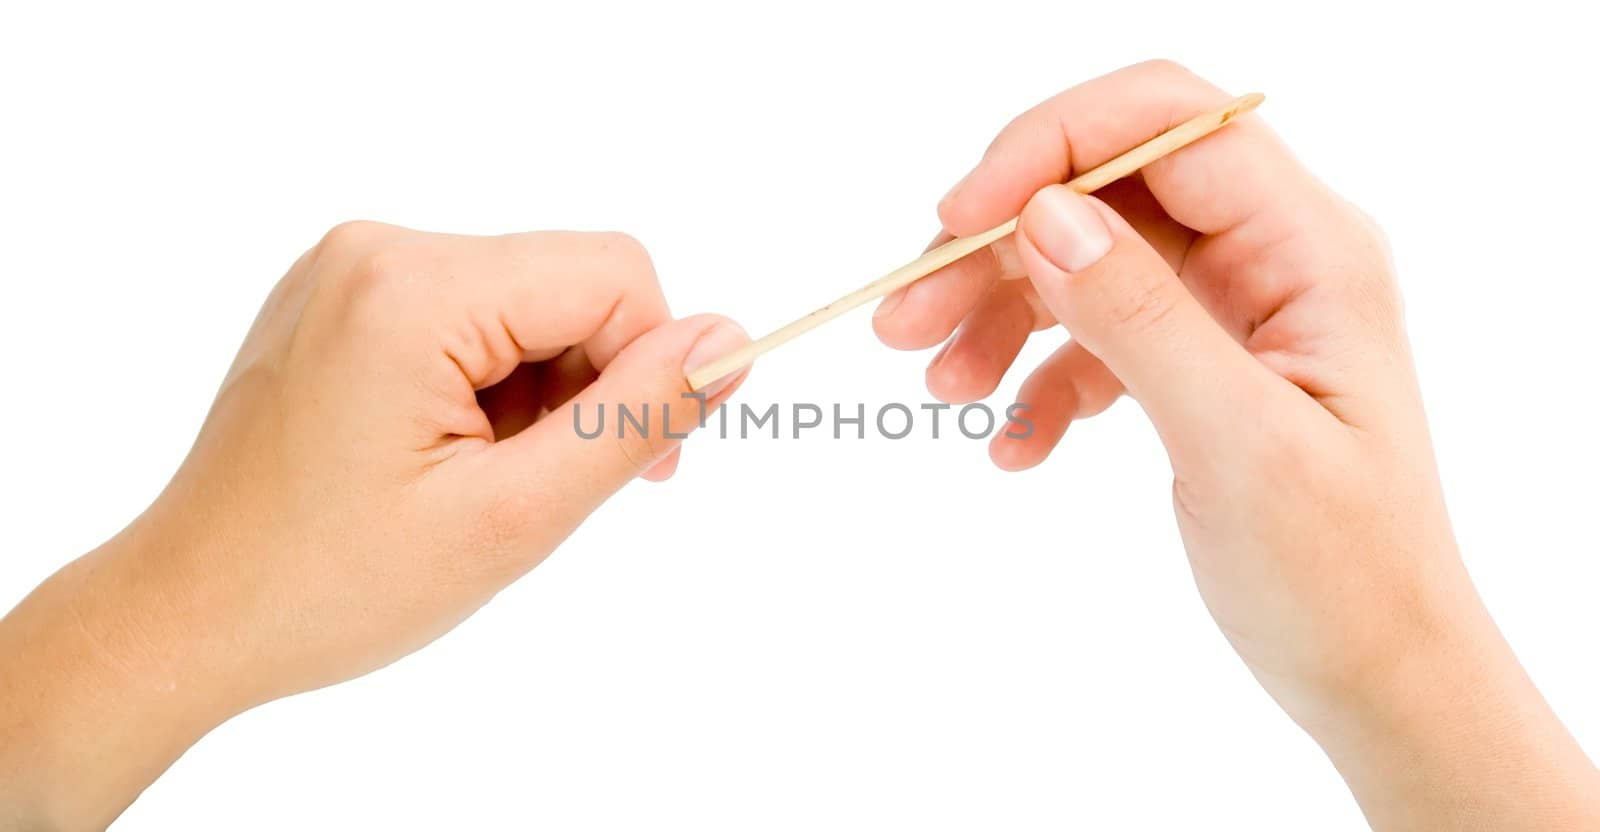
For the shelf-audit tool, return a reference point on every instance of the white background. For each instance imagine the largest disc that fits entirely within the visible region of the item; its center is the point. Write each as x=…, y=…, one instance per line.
x=791, y=634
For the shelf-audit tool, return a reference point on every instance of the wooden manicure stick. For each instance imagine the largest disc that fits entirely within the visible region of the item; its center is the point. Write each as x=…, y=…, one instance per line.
x=936, y=259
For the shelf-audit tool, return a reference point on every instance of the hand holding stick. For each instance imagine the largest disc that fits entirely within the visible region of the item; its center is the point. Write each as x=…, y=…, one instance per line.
x=1184, y=134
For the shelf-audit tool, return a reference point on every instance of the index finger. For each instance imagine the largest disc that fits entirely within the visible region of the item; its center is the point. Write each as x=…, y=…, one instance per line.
x=1211, y=186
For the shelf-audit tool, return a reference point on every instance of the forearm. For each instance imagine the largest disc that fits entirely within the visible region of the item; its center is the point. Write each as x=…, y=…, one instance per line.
x=102, y=690
x=1454, y=735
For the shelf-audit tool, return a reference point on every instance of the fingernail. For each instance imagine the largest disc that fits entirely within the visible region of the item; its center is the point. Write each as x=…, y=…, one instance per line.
x=1067, y=229
x=714, y=343
x=890, y=303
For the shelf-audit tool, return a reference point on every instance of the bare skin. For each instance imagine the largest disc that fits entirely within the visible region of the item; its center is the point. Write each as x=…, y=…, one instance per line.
x=376, y=465
x=370, y=475
x=1255, y=316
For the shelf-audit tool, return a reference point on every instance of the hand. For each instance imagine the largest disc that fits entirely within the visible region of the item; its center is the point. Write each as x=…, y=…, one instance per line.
x=375, y=468
x=1254, y=315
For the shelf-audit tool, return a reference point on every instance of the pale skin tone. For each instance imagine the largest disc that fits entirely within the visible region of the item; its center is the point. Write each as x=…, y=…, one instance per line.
x=379, y=462
x=1254, y=315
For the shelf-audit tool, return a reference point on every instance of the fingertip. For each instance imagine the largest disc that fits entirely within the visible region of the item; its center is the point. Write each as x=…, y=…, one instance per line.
x=927, y=311
x=905, y=325
x=887, y=324
x=1012, y=454
x=939, y=388
x=961, y=215
x=664, y=468
x=984, y=198
x=952, y=379
x=900, y=335
x=936, y=378
x=995, y=191
x=890, y=303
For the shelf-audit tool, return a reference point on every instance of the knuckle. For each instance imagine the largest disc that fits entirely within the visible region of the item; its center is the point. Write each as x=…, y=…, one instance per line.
x=1369, y=285
x=1141, y=306
x=378, y=293
x=362, y=257
x=351, y=236
x=1165, y=68
x=625, y=250
x=375, y=271
x=1367, y=234
x=631, y=275
x=1375, y=231
x=1373, y=289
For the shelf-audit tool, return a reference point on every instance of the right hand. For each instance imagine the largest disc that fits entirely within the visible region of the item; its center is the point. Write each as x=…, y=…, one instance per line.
x=1254, y=315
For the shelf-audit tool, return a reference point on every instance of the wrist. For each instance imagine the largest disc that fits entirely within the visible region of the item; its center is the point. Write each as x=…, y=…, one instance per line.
x=1443, y=722
x=109, y=680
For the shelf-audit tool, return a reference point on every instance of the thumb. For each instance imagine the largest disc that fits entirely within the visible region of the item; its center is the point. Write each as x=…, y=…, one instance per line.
x=631, y=417
x=1120, y=300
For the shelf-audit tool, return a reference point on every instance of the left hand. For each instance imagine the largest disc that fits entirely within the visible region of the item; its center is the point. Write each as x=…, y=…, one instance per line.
x=374, y=469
